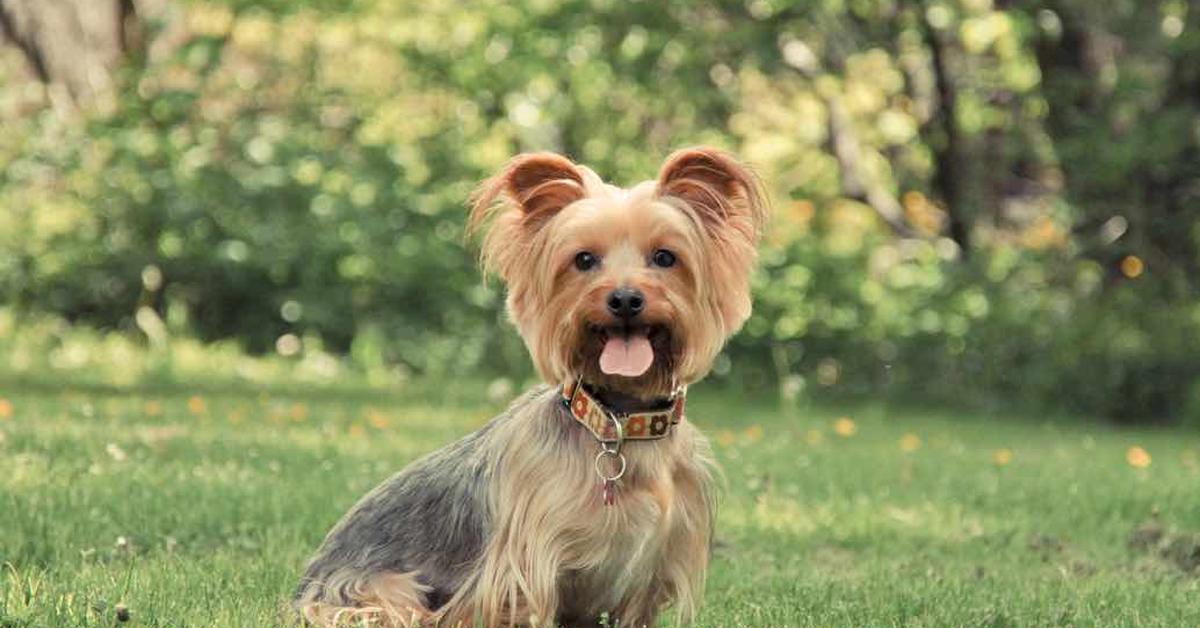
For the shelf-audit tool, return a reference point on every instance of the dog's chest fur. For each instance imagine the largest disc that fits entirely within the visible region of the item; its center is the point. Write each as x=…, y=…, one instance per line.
x=609, y=558
x=508, y=526
x=626, y=540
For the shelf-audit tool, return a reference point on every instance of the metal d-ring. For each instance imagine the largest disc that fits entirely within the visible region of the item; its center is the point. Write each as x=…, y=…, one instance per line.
x=612, y=449
x=612, y=452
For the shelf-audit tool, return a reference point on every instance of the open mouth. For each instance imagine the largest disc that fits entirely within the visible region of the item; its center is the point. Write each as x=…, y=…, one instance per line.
x=629, y=350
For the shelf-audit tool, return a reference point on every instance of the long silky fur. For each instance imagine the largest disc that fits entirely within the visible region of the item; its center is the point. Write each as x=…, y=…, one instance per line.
x=506, y=526
x=554, y=552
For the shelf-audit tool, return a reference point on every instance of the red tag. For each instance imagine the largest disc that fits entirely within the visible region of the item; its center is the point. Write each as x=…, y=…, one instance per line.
x=610, y=492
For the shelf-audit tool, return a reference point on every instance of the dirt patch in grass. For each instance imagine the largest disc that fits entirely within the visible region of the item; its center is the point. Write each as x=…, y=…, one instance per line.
x=1054, y=550
x=1180, y=548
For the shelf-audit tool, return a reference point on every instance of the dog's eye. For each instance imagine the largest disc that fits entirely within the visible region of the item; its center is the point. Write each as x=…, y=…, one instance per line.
x=586, y=260
x=663, y=258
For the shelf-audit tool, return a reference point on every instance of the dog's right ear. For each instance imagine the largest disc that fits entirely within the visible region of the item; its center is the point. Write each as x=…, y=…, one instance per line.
x=513, y=205
x=537, y=185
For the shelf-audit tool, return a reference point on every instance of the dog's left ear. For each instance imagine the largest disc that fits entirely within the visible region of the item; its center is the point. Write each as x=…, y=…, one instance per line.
x=726, y=198
x=721, y=191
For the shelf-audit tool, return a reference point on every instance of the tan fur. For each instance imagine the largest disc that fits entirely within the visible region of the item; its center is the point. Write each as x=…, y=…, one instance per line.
x=613, y=557
x=392, y=600
x=554, y=551
x=555, y=541
x=541, y=210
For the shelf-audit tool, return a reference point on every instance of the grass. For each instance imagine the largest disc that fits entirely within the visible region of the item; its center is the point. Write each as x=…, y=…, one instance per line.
x=199, y=508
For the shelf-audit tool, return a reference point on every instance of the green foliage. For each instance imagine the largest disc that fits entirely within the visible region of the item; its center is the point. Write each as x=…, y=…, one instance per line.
x=293, y=176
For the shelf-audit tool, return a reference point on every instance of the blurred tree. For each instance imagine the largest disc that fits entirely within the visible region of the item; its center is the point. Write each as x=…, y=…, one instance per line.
x=1123, y=90
x=950, y=154
x=71, y=44
x=976, y=198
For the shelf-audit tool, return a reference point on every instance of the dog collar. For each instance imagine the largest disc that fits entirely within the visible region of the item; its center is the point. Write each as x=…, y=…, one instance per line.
x=614, y=427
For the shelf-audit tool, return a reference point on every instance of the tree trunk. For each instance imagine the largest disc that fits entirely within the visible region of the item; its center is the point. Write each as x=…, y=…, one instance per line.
x=951, y=155
x=73, y=46
x=856, y=184
x=847, y=150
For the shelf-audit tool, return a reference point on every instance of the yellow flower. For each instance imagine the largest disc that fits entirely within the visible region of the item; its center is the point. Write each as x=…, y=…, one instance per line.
x=909, y=443
x=845, y=427
x=6, y=409
x=754, y=433
x=1137, y=457
x=153, y=408
x=196, y=405
x=1002, y=456
x=299, y=412
x=1132, y=266
x=357, y=431
x=377, y=419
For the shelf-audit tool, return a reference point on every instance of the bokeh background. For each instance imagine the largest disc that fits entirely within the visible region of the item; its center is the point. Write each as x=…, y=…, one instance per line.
x=977, y=202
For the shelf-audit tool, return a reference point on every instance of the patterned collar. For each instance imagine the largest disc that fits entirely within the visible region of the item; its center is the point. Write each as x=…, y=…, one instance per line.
x=603, y=423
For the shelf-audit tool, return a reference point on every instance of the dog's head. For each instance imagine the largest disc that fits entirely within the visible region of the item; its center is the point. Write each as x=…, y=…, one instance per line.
x=635, y=289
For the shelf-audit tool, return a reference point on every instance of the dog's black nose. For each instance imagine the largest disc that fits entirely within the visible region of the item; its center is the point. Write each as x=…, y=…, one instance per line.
x=626, y=303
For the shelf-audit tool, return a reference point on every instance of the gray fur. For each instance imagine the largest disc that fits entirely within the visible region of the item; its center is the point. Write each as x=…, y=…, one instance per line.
x=432, y=517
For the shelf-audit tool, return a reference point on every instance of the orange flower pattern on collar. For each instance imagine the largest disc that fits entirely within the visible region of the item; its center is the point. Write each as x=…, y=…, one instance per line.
x=649, y=425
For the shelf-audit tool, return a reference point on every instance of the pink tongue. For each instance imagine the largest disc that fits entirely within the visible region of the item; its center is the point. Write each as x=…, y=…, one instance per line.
x=628, y=357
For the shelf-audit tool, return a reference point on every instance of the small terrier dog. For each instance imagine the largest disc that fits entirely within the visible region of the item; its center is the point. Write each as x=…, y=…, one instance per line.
x=590, y=498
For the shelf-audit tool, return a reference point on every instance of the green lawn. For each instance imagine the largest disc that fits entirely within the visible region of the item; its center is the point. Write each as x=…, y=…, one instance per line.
x=198, y=509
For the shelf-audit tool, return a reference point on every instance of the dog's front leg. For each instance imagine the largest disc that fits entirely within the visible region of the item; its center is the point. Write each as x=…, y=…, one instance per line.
x=518, y=580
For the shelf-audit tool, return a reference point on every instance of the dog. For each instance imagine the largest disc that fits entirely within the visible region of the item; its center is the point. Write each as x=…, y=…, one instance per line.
x=590, y=500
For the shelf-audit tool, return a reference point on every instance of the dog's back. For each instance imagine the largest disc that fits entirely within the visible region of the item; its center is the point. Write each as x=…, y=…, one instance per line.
x=427, y=524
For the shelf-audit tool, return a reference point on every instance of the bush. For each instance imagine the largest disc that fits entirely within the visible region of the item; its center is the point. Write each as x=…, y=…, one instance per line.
x=294, y=181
